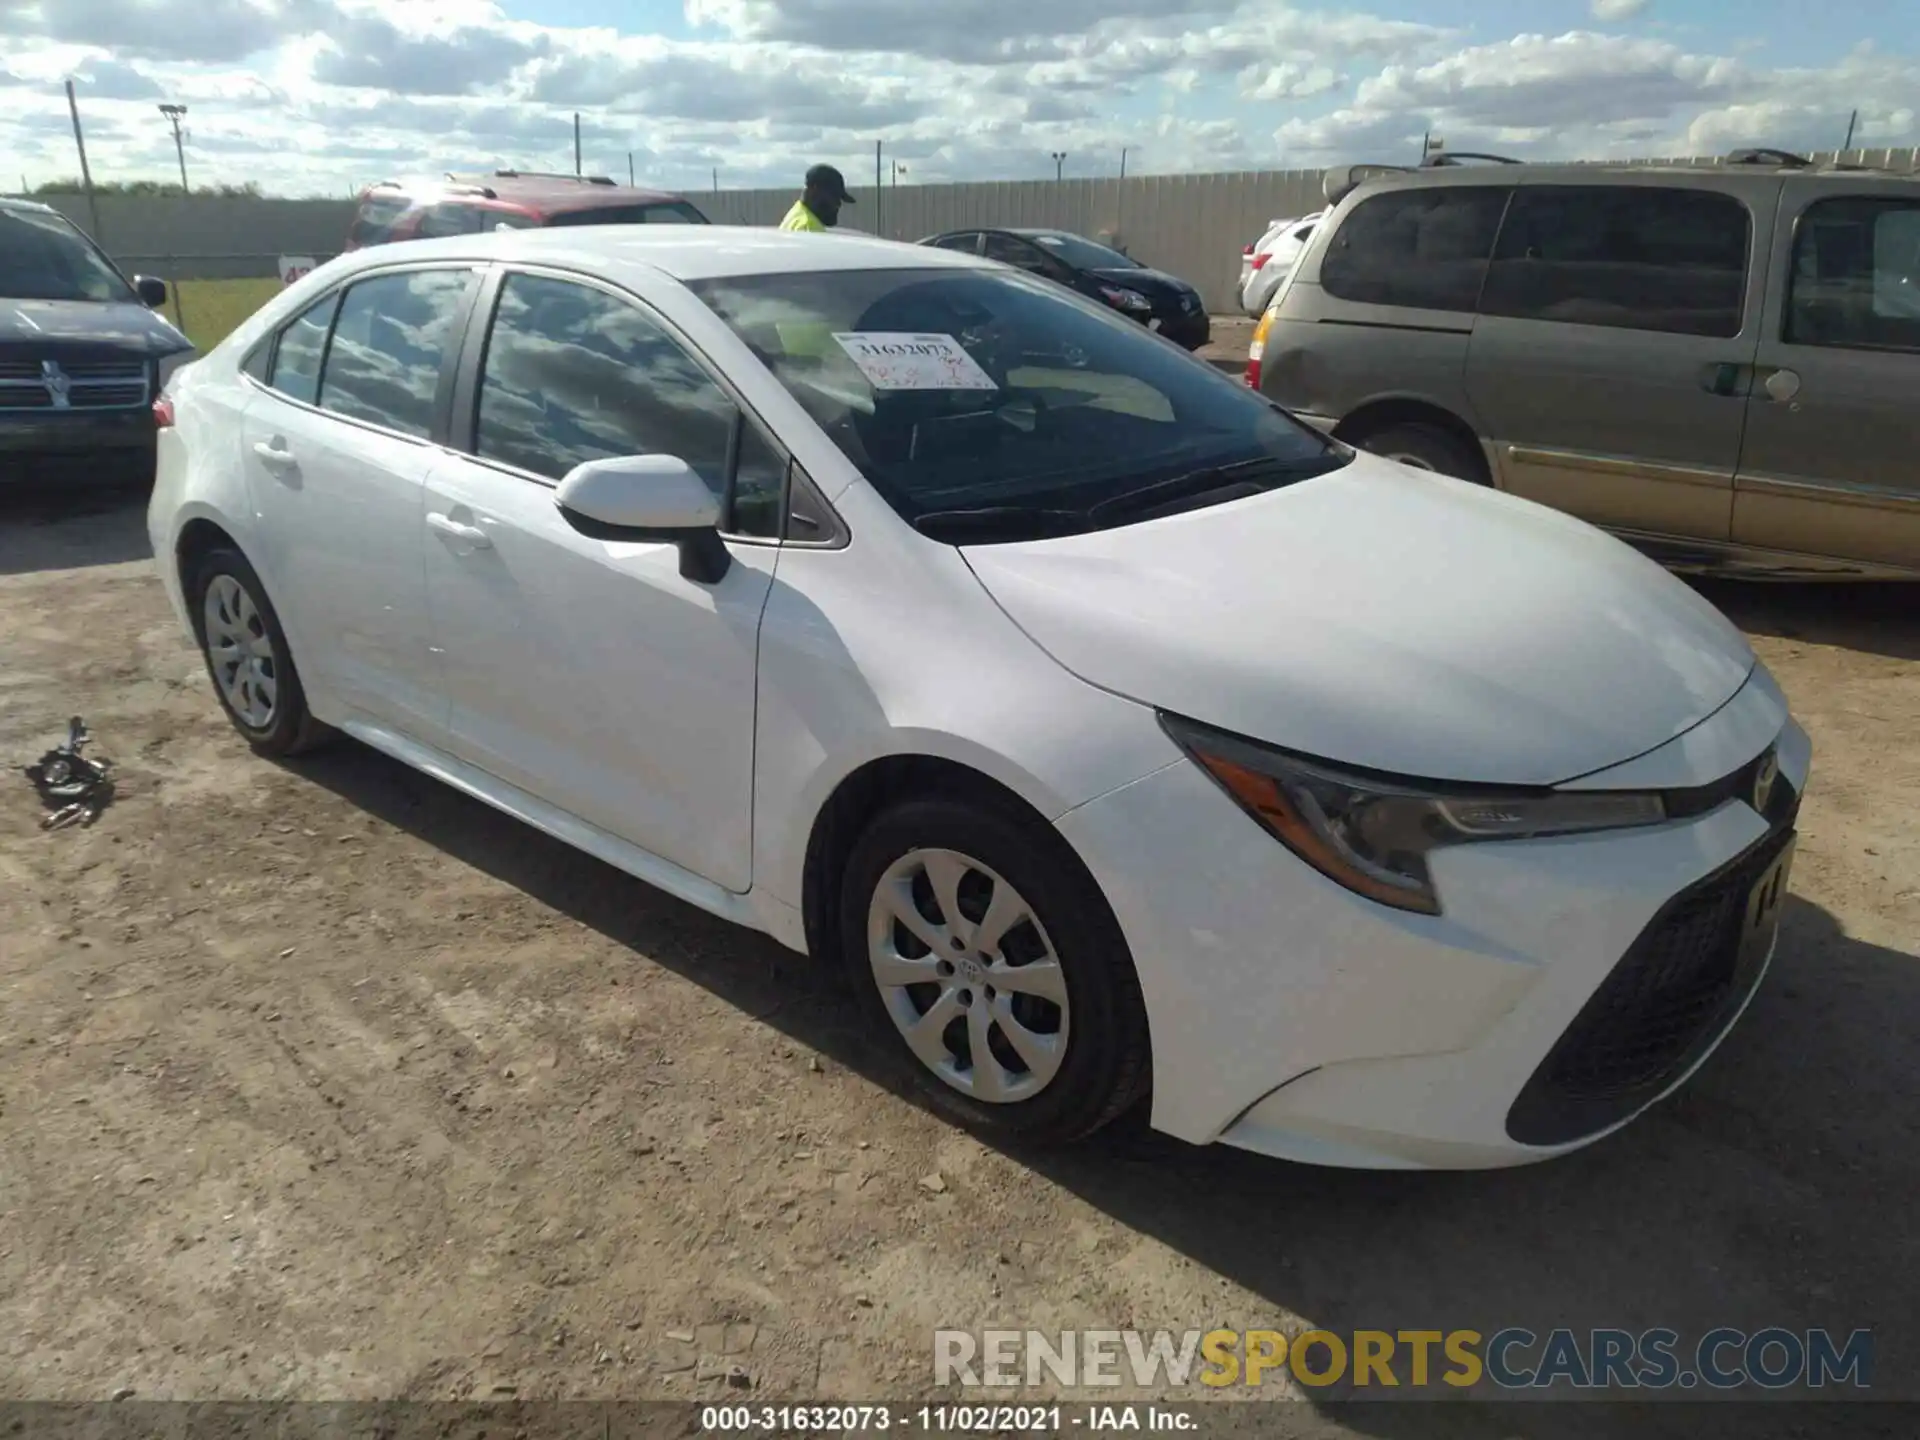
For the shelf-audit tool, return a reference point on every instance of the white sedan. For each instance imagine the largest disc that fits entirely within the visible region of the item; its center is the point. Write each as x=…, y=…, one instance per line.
x=1265, y=265
x=1119, y=734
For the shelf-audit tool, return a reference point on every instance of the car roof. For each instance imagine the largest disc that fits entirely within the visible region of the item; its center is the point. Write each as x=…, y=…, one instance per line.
x=1340, y=181
x=28, y=207
x=682, y=252
x=548, y=192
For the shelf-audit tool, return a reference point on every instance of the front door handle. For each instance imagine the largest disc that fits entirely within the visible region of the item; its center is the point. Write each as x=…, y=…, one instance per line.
x=1726, y=378
x=471, y=534
x=274, y=454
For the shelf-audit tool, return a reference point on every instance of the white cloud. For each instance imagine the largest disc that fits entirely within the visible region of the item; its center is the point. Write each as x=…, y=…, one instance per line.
x=317, y=95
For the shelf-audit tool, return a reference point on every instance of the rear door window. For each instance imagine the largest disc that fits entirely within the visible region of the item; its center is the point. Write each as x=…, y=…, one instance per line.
x=1634, y=257
x=389, y=343
x=1856, y=275
x=374, y=224
x=1425, y=249
x=1011, y=250
x=296, y=359
x=660, y=212
x=444, y=220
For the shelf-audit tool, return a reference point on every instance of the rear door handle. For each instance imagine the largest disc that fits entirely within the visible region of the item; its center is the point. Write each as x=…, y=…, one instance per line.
x=471, y=534
x=1726, y=378
x=274, y=454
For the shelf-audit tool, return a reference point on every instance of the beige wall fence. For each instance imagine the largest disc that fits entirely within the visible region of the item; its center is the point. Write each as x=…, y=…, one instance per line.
x=1192, y=225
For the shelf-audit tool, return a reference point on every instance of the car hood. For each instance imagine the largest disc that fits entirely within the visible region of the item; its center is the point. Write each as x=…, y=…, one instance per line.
x=125, y=326
x=1384, y=618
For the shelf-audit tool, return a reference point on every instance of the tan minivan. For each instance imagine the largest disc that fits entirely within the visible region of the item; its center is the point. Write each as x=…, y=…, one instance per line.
x=1720, y=364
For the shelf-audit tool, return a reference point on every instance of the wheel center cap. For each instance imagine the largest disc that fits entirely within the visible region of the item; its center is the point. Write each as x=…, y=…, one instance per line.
x=972, y=970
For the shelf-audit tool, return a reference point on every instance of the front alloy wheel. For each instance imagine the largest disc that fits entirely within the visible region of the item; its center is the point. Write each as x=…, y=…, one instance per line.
x=973, y=933
x=968, y=976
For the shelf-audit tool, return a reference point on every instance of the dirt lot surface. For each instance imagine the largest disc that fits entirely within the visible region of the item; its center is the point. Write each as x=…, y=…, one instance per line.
x=320, y=1080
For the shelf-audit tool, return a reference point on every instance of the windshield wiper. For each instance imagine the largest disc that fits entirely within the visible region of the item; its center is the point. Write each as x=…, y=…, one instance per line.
x=1229, y=482
x=999, y=522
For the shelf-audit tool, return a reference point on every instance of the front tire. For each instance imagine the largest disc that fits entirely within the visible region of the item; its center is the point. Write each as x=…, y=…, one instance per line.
x=1425, y=447
x=983, y=950
x=248, y=657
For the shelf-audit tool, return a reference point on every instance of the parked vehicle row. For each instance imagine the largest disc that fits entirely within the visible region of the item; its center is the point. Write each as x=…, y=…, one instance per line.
x=1162, y=302
x=1123, y=737
x=1718, y=363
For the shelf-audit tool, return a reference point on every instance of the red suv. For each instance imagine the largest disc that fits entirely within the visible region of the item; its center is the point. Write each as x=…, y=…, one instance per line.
x=516, y=199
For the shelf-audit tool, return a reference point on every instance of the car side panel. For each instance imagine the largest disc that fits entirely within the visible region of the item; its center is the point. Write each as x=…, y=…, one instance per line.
x=1332, y=358
x=1828, y=467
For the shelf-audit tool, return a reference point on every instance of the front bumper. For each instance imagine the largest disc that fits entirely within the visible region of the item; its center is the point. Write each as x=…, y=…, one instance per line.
x=1291, y=1017
x=1188, y=329
x=77, y=447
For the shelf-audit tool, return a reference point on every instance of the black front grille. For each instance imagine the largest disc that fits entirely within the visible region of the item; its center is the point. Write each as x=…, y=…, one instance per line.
x=1669, y=998
x=86, y=384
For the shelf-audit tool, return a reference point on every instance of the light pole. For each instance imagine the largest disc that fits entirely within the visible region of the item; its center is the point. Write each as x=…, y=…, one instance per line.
x=1059, y=164
x=175, y=114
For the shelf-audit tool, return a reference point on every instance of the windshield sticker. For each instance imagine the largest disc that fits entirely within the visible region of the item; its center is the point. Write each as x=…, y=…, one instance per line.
x=896, y=360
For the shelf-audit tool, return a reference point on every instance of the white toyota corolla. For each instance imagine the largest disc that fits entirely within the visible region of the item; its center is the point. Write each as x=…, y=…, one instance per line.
x=1118, y=733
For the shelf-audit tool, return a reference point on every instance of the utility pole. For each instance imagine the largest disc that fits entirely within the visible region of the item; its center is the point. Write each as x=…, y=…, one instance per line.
x=175, y=114
x=877, y=192
x=629, y=169
x=1123, y=160
x=1060, y=162
x=576, y=143
x=86, y=175
x=1853, y=121
x=716, y=179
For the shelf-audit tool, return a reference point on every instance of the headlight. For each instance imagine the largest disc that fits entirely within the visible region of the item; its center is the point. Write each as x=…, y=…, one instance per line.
x=1125, y=299
x=1373, y=833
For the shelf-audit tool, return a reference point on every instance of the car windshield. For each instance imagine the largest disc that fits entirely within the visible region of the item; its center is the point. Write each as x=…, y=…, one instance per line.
x=42, y=257
x=1003, y=406
x=1081, y=253
x=661, y=212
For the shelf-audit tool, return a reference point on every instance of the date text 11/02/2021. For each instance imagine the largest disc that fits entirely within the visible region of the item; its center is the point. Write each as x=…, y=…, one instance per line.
x=947, y=1419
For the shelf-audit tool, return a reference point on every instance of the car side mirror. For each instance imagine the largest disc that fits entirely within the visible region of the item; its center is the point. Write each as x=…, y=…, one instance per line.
x=648, y=497
x=152, y=292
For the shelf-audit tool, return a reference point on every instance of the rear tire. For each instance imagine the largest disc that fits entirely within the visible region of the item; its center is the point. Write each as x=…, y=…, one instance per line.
x=1426, y=447
x=248, y=657
x=1031, y=964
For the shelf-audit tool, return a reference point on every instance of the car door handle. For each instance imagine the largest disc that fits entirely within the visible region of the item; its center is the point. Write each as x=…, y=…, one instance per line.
x=274, y=455
x=471, y=534
x=1727, y=378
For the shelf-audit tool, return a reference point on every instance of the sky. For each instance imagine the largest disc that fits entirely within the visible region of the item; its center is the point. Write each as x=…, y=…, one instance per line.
x=318, y=97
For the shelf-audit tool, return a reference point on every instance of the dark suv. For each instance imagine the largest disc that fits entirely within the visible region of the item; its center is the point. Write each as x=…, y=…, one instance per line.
x=82, y=355
x=510, y=199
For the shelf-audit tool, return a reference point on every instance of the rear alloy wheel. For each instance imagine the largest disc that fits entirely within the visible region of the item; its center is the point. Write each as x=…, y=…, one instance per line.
x=977, y=939
x=1425, y=447
x=247, y=656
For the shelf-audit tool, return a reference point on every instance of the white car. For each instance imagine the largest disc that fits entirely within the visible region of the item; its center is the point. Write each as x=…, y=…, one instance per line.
x=1266, y=264
x=1118, y=733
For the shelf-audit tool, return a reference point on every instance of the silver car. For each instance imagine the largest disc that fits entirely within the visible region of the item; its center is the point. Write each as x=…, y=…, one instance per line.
x=1717, y=363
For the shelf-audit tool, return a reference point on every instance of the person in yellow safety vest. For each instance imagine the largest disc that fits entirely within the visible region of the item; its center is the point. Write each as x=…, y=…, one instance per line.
x=818, y=207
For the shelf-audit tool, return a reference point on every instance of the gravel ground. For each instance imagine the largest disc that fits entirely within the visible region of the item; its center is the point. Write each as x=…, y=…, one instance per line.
x=320, y=1080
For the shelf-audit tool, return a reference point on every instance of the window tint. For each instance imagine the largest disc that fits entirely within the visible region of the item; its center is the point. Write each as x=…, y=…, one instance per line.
x=451, y=220
x=1426, y=249
x=1083, y=254
x=374, y=223
x=574, y=374
x=664, y=212
x=759, y=486
x=42, y=257
x=1635, y=257
x=1068, y=406
x=1010, y=250
x=296, y=363
x=393, y=331
x=258, y=359
x=968, y=243
x=1856, y=275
